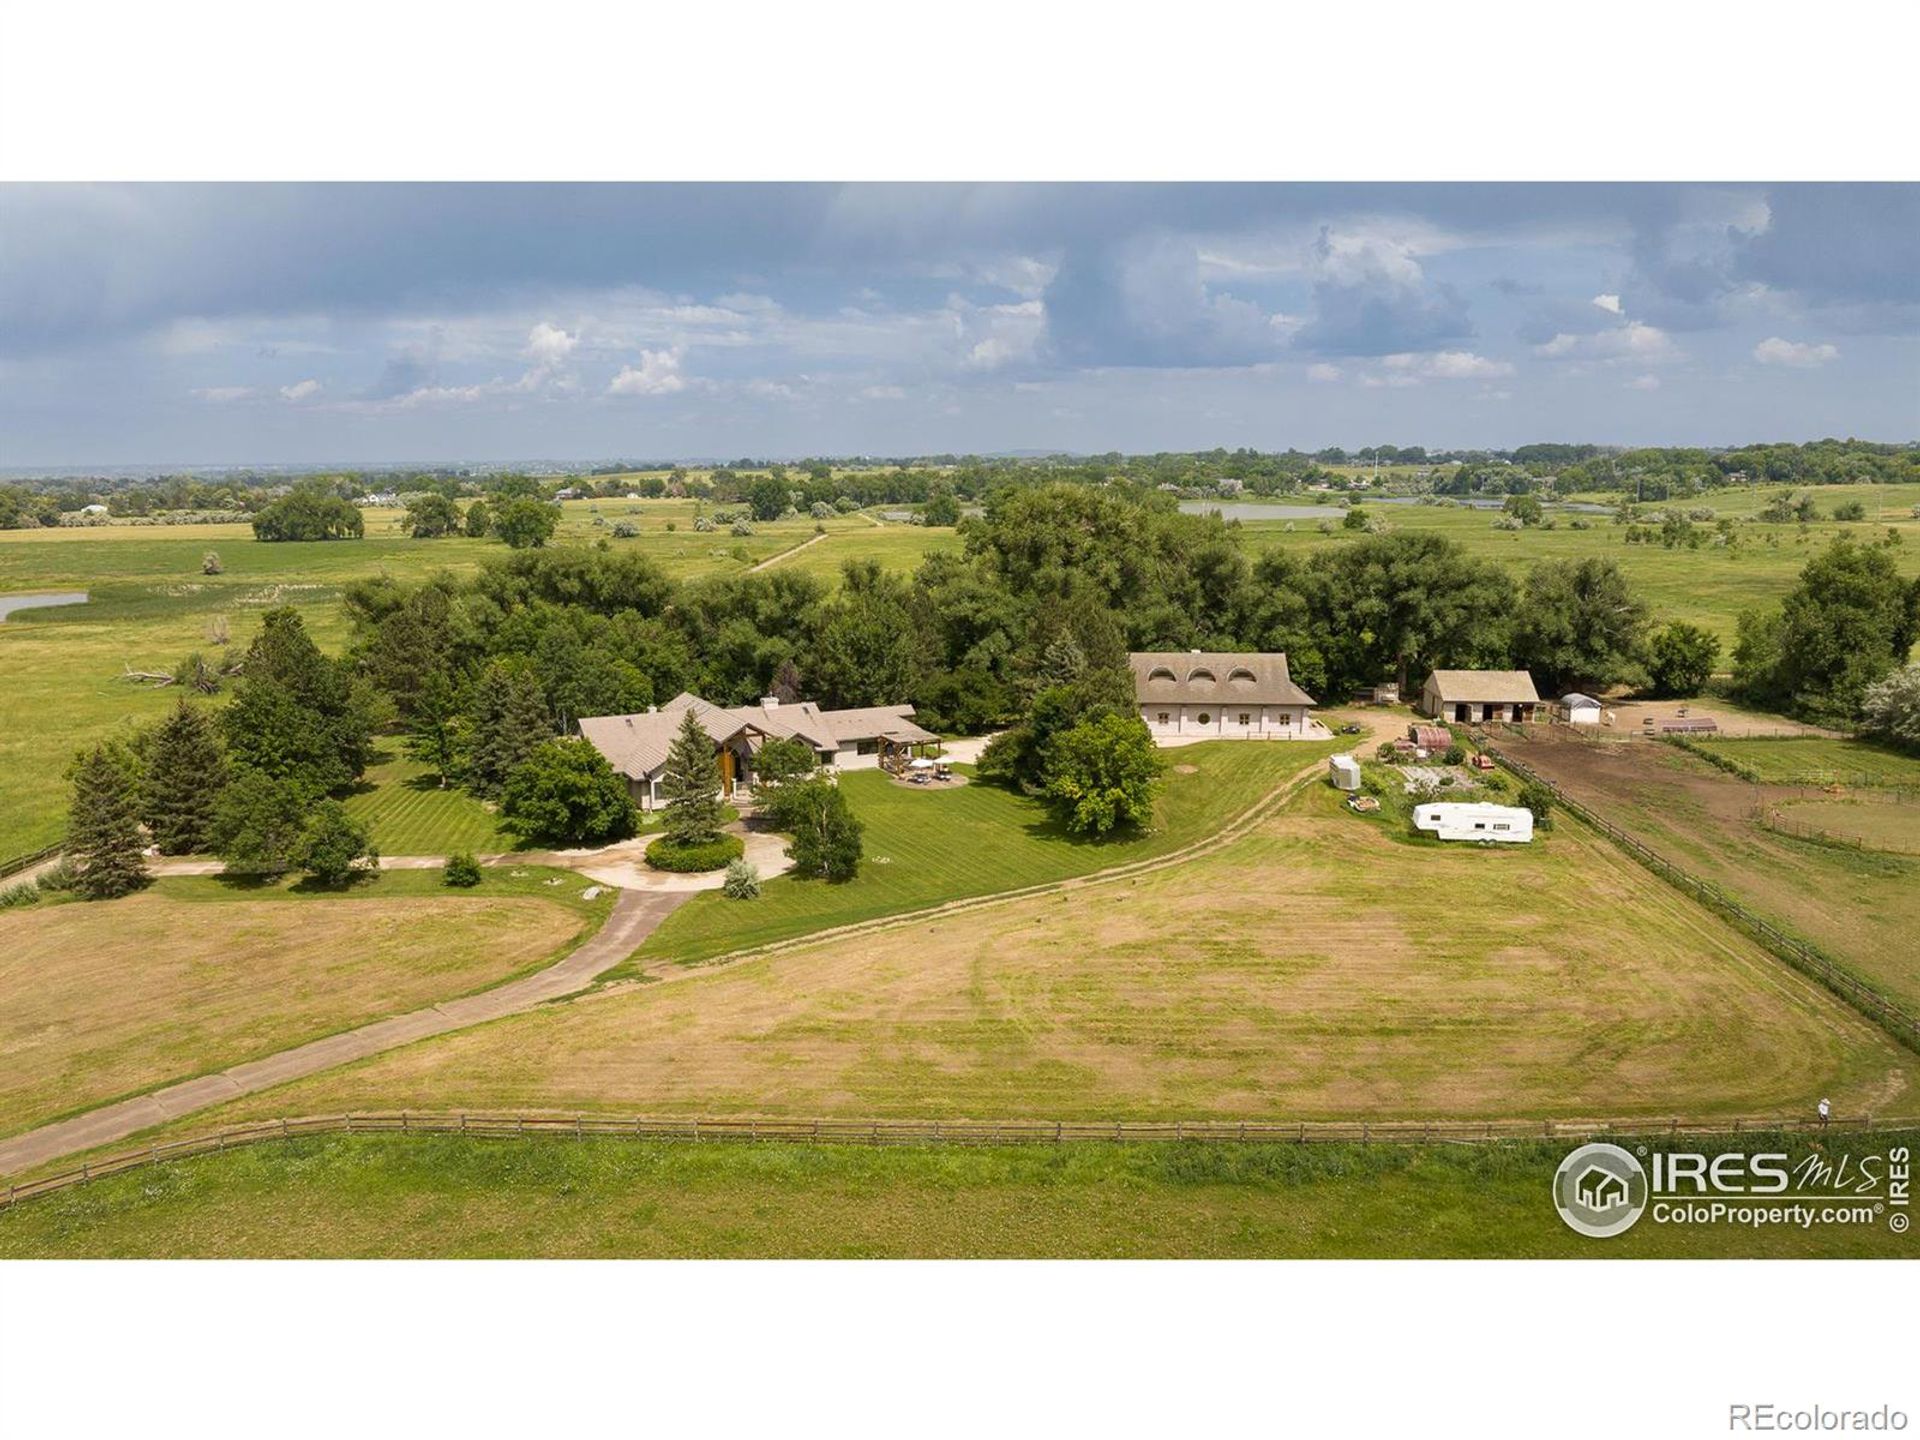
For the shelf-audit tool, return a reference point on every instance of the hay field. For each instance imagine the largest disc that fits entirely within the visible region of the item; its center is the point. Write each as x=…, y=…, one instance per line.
x=105, y=1000
x=1317, y=968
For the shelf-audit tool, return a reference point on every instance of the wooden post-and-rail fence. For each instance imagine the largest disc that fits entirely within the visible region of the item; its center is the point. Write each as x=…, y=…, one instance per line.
x=1901, y=1023
x=931, y=1132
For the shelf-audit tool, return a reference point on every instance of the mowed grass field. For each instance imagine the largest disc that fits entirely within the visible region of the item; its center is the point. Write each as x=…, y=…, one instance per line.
x=1315, y=969
x=410, y=813
x=1859, y=907
x=99, y=1001
x=444, y=1197
x=926, y=847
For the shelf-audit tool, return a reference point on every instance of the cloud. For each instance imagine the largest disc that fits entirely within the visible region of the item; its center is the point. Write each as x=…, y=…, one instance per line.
x=1634, y=342
x=658, y=373
x=1643, y=382
x=1143, y=302
x=883, y=392
x=300, y=390
x=223, y=394
x=1448, y=365
x=1371, y=297
x=1610, y=303
x=1776, y=351
x=548, y=345
x=1323, y=374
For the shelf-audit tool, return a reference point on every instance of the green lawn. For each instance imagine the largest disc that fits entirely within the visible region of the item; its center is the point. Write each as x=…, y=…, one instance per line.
x=1816, y=761
x=444, y=1197
x=927, y=847
x=410, y=814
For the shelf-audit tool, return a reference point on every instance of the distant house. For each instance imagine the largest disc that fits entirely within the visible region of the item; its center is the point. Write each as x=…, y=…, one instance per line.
x=637, y=745
x=1464, y=696
x=1580, y=709
x=1233, y=696
x=1475, y=820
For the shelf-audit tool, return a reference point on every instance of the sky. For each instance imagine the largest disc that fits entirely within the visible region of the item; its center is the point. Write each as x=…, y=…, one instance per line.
x=293, y=323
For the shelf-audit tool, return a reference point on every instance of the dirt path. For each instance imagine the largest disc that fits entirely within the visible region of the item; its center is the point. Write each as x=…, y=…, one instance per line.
x=634, y=917
x=787, y=554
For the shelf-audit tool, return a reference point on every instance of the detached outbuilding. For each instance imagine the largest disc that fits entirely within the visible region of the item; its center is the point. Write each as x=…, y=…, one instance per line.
x=1466, y=696
x=1475, y=820
x=1580, y=709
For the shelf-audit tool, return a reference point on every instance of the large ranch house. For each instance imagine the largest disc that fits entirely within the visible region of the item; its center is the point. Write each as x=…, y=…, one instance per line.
x=1464, y=696
x=1196, y=694
x=637, y=745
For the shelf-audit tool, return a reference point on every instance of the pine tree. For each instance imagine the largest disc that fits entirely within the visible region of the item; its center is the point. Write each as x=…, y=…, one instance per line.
x=103, y=828
x=692, y=785
x=510, y=722
x=186, y=770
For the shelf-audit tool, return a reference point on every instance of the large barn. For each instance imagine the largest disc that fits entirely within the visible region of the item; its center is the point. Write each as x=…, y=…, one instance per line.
x=1197, y=694
x=637, y=745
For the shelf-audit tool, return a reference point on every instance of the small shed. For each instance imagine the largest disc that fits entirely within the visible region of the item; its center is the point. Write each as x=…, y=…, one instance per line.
x=1475, y=820
x=1580, y=709
x=1344, y=772
x=1430, y=737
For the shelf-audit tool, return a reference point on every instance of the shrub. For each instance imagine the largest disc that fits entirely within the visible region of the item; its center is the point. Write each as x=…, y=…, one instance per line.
x=210, y=564
x=625, y=529
x=742, y=526
x=24, y=893
x=1850, y=510
x=820, y=510
x=462, y=870
x=1456, y=754
x=666, y=854
x=59, y=878
x=743, y=881
x=1386, y=753
x=334, y=846
x=1539, y=800
x=566, y=793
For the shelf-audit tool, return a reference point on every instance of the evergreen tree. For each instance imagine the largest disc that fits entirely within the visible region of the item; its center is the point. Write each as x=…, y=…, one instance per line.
x=296, y=714
x=692, y=785
x=185, y=772
x=510, y=722
x=103, y=827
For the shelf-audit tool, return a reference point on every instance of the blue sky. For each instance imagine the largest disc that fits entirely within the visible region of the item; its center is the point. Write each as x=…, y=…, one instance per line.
x=170, y=324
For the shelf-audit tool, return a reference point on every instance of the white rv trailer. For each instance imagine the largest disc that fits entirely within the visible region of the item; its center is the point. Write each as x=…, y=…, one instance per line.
x=1476, y=820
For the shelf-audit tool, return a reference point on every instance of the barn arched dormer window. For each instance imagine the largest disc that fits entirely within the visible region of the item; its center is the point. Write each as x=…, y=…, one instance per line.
x=1160, y=675
x=1200, y=678
x=1242, y=679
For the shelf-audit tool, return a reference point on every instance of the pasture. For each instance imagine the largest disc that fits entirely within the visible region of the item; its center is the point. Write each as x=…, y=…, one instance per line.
x=106, y=1000
x=1860, y=907
x=1814, y=761
x=444, y=1197
x=1311, y=969
x=151, y=606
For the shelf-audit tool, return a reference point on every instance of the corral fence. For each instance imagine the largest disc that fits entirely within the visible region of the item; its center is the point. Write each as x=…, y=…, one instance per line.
x=26, y=862
x=1902, y=1024
x=934, y=1132
x=1767, y=813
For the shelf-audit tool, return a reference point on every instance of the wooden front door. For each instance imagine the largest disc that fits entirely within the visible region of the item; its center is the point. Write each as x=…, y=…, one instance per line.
x=726, y=771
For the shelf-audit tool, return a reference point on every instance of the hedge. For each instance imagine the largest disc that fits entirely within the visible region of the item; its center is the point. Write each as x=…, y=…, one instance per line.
x=664, y=854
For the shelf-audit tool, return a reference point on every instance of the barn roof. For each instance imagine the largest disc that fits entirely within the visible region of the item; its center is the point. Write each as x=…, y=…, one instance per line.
x=1482, y=686
x=1574, y=697
x=1197, y=676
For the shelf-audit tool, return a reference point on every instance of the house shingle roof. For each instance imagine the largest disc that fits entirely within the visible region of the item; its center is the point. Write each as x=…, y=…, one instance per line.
x=1196, y=676
x=637, y=745
x=1483, y=686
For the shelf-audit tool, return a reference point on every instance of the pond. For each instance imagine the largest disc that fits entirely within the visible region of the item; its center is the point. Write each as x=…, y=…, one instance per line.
x=11, y=603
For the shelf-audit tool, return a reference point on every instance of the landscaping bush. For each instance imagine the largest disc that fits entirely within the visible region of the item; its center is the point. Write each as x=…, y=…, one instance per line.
x=1539, y=800
x=697, y=858
x=24, y=893
x=1456, y=754
x=462, y=870
x=743, y=881
x=59, y=879
x=1386, y=753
